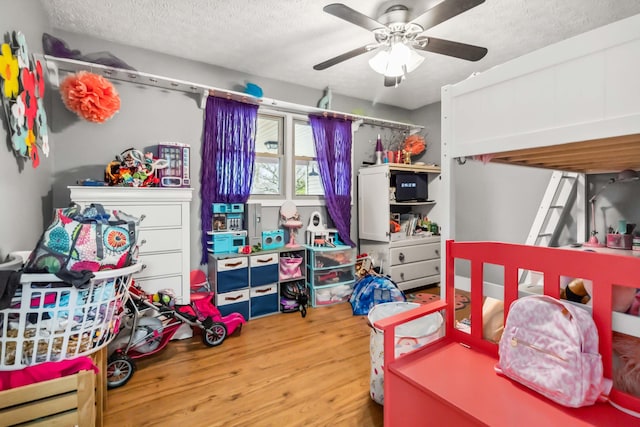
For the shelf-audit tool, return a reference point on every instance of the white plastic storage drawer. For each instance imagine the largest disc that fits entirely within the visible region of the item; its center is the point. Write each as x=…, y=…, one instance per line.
x=332, y=258
x=264, y=300
x=407, y=254
x=328, y=295
x=333, y=276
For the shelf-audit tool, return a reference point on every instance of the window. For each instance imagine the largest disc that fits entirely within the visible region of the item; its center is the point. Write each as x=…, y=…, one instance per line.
x=282, y=140
x=308, y=182
x=269, y=156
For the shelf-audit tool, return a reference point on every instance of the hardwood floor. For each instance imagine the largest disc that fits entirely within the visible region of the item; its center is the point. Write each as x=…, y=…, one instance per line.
x=282, y=370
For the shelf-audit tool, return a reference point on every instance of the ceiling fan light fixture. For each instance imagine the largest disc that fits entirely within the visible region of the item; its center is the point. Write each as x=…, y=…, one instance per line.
x=396, y=60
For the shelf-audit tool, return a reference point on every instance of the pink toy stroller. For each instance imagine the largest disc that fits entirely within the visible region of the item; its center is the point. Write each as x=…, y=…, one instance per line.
x=142, y=335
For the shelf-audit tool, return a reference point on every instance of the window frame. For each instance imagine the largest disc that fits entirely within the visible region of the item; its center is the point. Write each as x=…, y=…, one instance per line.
x=288, y=165
x=281, y=155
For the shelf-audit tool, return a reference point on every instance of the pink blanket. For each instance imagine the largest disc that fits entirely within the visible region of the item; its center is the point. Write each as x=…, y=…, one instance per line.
x=45, y=371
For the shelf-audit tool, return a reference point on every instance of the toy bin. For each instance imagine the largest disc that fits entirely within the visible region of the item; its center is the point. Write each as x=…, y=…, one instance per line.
x=49, y=320
x=231, y=274
x=328, y=295
x=409, y=336
x=264, y=300
x=234, y=302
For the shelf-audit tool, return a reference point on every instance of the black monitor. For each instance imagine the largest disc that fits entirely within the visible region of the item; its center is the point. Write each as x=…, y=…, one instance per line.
x=411, y=187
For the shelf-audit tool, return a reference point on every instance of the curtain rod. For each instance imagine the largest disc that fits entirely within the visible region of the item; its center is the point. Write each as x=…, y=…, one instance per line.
x=56, y=65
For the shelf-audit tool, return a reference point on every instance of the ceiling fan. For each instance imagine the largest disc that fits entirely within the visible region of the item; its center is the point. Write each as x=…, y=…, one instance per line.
x=397, y=38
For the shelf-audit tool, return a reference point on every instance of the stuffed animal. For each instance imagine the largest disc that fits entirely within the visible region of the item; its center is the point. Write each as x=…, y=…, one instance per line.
x=626, y=363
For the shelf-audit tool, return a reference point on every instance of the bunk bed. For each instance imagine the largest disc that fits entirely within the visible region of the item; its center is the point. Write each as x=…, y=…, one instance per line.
x=573, y=106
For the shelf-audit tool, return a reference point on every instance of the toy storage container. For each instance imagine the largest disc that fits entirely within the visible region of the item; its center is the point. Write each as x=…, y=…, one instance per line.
x=330, y=274
x=408, y=337
x=49, y=320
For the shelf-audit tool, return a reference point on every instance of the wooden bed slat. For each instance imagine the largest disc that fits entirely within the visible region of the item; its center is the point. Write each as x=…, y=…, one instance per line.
x=593, y=156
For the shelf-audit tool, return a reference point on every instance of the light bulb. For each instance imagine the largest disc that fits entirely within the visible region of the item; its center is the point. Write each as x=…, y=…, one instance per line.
x=396, y=60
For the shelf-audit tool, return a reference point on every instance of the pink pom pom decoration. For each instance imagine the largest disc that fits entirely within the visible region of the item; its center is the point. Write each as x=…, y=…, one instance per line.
x=90, y=96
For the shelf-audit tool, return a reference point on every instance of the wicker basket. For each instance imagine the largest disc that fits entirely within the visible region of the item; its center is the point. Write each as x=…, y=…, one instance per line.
x=50, y=320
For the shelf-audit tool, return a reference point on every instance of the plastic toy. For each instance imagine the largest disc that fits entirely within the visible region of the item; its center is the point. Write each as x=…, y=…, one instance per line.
x=132, y=168
x=142, y=335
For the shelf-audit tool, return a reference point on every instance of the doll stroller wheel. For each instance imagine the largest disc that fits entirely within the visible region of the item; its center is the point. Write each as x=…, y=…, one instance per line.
x=120, y=368
x=215, y=334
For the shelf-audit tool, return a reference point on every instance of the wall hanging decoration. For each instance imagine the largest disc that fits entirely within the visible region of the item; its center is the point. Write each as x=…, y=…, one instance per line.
x=22, y=93
x=90, y=96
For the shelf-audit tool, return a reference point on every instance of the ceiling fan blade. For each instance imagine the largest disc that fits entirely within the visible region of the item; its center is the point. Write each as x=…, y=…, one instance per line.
x=449, y=48
x=392, y=81
x=350, y=15
x=444, y=11
x=347, y=55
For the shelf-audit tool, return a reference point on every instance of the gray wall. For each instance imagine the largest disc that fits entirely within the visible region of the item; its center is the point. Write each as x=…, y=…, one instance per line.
x=617, y=201
x=24, y=191
x=150, y=115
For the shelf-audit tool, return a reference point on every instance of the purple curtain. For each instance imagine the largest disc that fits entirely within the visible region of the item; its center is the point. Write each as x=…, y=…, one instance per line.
x=228, y=153
x=332, y=137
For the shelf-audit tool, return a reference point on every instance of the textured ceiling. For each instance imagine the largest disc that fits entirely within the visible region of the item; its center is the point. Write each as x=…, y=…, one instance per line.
x=283, y=39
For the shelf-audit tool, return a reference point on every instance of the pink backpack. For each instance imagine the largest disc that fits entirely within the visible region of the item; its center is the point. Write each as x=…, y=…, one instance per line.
x=551, y=346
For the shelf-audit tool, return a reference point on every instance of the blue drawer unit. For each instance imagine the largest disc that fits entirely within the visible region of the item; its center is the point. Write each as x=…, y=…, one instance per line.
x=233, y=302
x=264, y=268
x=231, y=274
x=250, y=284
x=264, y=300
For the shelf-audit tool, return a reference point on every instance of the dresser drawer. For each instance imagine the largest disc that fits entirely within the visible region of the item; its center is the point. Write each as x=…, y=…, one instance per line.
x=409, y=254
x=160, y=240
x=416, y=270
x=160, y=264
x=154, y=215
x=152, y=285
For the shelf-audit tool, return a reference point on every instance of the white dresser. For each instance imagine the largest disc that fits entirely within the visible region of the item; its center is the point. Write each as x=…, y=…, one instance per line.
x=164, y=231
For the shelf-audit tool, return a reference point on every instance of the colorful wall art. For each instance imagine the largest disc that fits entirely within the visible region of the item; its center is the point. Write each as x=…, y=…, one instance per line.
x=22, y=92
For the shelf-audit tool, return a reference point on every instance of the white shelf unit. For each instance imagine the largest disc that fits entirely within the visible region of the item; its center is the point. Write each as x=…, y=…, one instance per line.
x=410, y=261
x=164, y=231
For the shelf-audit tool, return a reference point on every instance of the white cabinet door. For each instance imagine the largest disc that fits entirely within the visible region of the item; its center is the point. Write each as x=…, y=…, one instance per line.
x=373, y=204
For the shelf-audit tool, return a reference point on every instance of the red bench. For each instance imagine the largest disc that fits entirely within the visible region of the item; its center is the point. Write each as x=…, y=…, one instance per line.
x=452, y=382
